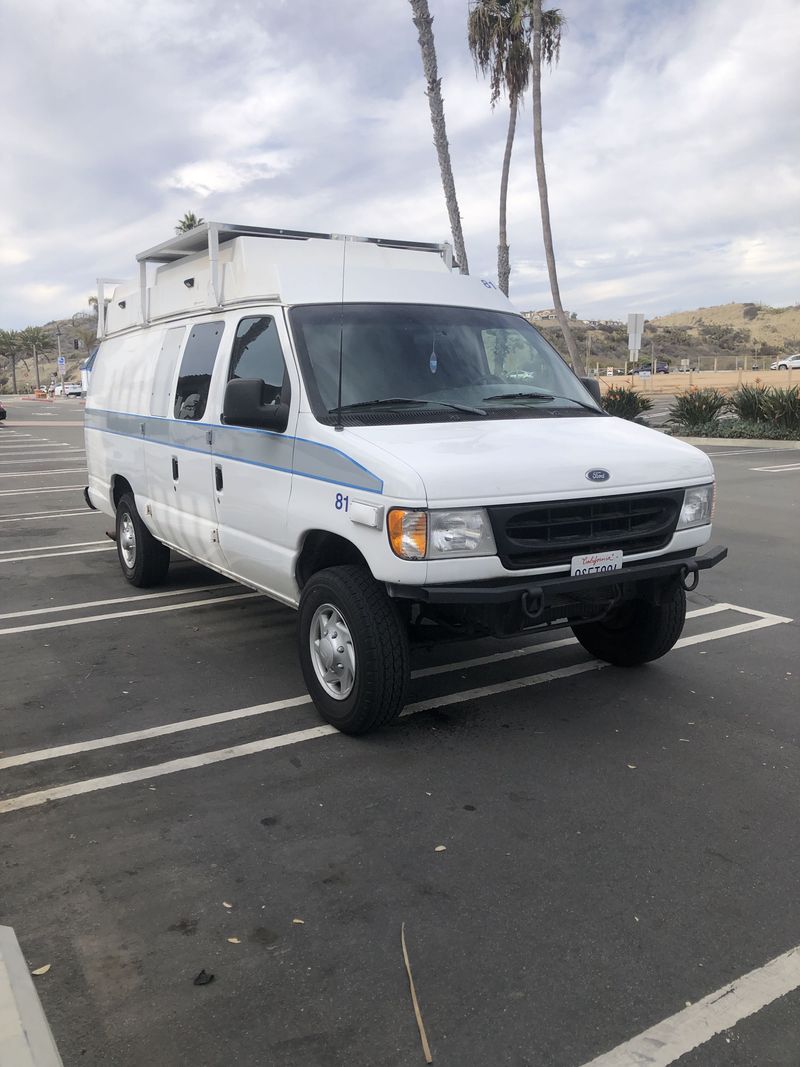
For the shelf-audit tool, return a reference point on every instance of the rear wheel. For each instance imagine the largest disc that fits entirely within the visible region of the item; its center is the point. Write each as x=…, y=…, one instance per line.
x=637, y=631
x=143, y=559
x=353, y=649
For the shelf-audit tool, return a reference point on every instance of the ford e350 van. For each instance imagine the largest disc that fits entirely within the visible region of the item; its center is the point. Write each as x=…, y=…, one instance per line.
x=366, y=435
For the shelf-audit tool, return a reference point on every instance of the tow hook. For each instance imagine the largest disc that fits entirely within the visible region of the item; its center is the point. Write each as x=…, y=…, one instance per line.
x=532, y=603
x=690, y=577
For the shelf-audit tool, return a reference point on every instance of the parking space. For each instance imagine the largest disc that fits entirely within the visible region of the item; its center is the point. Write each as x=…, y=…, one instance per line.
x=580, y=854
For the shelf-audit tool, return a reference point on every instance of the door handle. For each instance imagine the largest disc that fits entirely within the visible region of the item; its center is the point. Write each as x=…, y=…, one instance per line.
x=174, y=469
x=218, y=476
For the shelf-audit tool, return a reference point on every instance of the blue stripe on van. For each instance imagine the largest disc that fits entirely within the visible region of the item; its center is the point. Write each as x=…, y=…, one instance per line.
x=258, y=448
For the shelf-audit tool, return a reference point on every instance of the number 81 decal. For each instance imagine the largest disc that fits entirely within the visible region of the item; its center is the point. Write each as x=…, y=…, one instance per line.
x=342, y=503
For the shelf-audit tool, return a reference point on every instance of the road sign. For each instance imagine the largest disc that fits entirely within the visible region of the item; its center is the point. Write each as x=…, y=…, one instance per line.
x=635, y=327
x=62, y=361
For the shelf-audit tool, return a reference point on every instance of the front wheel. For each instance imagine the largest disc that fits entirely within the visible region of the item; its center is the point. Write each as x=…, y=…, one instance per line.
x=353, y=649
x=637, y=631
x=143, y=559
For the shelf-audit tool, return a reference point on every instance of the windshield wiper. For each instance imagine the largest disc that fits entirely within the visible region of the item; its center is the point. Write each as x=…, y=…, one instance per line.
x=390, y=401
x=521, y=396
x=530, y=394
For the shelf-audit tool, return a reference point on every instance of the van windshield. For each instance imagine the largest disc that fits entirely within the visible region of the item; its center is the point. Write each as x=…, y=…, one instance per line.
x=408, y=362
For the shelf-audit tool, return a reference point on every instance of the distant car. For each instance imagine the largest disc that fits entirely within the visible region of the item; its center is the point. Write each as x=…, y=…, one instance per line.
x=3, y=413
x=787, y=363
x=662, y=367
x=73, y=389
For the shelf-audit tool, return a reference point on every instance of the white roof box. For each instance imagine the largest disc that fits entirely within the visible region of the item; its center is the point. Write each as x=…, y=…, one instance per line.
x=219, y=264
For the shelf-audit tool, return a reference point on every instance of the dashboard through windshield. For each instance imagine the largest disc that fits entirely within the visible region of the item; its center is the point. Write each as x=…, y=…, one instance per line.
x=403, y=362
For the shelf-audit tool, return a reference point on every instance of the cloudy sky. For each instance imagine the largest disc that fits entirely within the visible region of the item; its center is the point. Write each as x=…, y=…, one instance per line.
x=672, y=136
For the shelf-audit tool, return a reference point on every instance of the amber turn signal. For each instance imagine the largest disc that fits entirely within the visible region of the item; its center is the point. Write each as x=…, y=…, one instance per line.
x=408, y=533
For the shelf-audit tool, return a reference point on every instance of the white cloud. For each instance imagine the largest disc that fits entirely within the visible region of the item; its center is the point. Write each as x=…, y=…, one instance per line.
x=671, y=135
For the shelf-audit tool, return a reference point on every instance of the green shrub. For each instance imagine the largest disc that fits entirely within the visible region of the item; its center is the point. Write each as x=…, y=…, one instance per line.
x=782, y=408
x=625, y=403
x=738, y=428
x=698, y=407
x=748, y=402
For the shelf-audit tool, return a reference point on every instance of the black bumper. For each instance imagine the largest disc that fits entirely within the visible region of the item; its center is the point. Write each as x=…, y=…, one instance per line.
x=544, y=591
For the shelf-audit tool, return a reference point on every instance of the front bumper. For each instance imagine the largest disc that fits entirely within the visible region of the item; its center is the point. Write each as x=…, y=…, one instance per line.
x=539, y=593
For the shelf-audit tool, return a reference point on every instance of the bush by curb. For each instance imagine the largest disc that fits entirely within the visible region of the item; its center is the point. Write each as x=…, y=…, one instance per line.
x=732, y=429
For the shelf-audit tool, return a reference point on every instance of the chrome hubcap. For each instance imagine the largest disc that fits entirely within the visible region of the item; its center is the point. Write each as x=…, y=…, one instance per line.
x=332, y=651
x=127, y=541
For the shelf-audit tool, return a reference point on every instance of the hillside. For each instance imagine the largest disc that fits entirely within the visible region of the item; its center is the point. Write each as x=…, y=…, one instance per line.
x=727, y=336
x=779, y=327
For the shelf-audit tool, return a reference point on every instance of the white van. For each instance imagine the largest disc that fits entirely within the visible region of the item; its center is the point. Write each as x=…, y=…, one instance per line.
x=358, y=431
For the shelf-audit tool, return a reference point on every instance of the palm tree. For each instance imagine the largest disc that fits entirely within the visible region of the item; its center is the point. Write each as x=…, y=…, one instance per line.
x=540, y=49
x=34, y=337
x=498, y=33
x=9, y=345
x=188, y=222
x=424, y=22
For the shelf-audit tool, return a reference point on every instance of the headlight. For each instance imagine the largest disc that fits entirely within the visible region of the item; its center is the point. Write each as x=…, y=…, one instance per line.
x=437, y=534
x=698, y=507
x=460, y=533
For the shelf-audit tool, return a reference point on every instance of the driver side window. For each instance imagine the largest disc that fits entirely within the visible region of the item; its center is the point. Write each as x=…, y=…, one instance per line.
x=257, y=355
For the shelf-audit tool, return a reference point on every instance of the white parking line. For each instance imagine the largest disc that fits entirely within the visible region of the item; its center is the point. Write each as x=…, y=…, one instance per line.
x=35, y=515
x=41, y=489
x=43, y=474
x=749, y=451
x=123, y=614
x=686, y=1030
x=56, y=555
x=41, y=459
x=17, y=448
x=43, y=548
x=204, y=759
x=117, y=600
x=775, y=470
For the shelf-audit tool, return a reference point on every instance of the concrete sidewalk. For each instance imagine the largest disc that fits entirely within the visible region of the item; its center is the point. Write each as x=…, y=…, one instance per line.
x=25, y=1036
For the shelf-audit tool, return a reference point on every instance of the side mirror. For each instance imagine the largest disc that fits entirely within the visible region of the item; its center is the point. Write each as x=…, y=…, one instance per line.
x=593, y=387
x=243, y=405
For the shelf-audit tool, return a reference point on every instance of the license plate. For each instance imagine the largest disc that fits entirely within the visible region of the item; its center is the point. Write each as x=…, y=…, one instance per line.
x=596, y=563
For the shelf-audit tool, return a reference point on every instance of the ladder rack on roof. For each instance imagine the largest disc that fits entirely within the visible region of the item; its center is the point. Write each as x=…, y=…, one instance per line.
x=208, y=236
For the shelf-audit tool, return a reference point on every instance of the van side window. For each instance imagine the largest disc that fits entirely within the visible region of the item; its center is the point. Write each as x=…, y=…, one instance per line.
x=257, y=354
x=194, y=379
x=160, y=396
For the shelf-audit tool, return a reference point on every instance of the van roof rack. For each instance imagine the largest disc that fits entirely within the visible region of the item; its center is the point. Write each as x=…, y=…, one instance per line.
x=210, y=235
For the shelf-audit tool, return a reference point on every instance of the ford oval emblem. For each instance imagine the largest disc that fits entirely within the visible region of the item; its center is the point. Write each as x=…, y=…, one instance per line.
x=598, y=475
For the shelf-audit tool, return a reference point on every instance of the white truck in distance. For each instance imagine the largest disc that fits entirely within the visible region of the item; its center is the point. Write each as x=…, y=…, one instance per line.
x=363, y=434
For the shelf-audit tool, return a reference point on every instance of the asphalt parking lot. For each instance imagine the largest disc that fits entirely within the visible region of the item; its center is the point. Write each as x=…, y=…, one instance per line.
x=618, y=845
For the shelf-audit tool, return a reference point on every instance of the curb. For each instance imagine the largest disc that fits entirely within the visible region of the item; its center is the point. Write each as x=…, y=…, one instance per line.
x=740, y=442
x=25, y=1036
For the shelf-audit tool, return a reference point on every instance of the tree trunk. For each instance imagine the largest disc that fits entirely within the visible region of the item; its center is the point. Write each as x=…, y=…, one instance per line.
x=36, y=368
x=13, y=358
x=424, y=23
x=541, y=178
x=503, y=262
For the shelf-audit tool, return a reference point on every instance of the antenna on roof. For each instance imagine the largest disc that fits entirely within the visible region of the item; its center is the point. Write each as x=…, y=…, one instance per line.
x=338, y=424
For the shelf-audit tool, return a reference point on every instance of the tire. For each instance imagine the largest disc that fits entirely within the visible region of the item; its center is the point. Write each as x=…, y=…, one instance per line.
x=143, y=559
x=371, y=689
x=783, y=366
x=637, y=631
